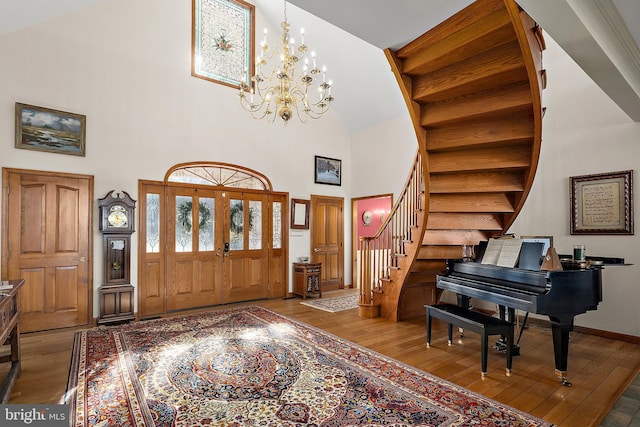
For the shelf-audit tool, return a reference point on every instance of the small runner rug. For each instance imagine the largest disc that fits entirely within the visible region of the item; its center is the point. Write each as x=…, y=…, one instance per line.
x=346, y=302
x=249, y=366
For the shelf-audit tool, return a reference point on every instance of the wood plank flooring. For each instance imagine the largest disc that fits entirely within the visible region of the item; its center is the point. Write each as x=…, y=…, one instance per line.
x=599, y=368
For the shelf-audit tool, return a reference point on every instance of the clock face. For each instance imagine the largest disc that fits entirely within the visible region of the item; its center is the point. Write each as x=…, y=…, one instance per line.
x=118, y=217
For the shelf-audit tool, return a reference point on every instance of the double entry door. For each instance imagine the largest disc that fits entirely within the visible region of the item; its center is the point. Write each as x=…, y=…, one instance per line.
x=219, y=248
x=217, y=251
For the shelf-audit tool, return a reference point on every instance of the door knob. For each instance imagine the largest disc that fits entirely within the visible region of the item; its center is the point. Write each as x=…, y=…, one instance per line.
x=316, y=250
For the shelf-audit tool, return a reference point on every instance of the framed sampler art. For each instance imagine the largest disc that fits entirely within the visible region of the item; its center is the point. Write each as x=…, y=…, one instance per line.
x=222, y=41
x=602, y=203
x=54, y=131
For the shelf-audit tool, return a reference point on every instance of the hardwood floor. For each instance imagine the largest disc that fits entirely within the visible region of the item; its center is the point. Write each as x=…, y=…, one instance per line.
x=599, y=368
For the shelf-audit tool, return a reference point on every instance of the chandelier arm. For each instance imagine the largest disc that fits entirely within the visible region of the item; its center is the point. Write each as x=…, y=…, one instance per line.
x=278, y=92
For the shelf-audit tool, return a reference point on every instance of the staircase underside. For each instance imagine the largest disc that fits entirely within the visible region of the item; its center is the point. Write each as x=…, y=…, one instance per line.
x=473, y=88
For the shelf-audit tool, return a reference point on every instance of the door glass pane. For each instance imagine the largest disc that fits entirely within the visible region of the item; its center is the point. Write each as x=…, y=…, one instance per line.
x=255, y=224
x=236, y=225
x=153, y=223
x=184, y=220
x=205, y=222
x=277, y=225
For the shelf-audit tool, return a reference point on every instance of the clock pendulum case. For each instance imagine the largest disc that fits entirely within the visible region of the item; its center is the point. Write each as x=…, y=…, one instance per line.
x=117, y=223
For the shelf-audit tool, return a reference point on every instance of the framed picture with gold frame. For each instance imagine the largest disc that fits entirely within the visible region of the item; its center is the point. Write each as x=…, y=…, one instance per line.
x=223, y=35
x=602, y=203
x=46, y=129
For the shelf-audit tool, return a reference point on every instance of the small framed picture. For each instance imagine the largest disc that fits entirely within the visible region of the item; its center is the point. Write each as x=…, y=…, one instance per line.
x=328, y=171
x=54, y=131
x=602, y=203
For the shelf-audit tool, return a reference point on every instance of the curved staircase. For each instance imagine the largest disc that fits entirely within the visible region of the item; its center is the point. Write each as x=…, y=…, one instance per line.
x=473, y=88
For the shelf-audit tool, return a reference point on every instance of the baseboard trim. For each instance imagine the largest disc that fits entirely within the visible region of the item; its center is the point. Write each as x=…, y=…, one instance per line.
x=589, y=331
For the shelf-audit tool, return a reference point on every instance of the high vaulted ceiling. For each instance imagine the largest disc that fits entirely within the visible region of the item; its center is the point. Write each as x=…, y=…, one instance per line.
x=602, y=36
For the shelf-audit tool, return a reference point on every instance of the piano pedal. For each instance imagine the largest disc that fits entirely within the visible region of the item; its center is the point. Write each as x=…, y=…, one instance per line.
x=501, y=346
x=461, y=332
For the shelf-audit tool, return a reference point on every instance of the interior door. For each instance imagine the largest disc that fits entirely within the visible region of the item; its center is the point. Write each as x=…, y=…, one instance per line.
x=194, y=248
x=245, y=249
x=47, y=235
x=327, y=239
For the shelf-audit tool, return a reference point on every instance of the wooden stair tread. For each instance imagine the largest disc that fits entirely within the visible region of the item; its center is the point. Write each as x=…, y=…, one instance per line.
x=480, y=182
x=488, y=159
x=480, y=133
x=464, y=221
x=504, y=65
x=490, y=31
x=474, y=203
x=453, y=237
x=503, y=102
x=452, y=25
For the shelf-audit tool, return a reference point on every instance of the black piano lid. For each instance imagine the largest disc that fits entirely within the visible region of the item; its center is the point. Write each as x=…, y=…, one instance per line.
x=604, y=260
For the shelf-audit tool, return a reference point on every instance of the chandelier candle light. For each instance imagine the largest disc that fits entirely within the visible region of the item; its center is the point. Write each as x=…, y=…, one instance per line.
x=285, y=88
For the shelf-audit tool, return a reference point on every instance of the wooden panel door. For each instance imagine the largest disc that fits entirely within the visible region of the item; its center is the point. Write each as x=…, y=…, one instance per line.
x=194, y=248
x=327, y=239
x=47, y=235
x=246, y=261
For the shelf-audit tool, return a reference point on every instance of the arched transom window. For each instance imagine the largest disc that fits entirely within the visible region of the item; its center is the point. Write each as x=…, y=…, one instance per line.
x=218, y=174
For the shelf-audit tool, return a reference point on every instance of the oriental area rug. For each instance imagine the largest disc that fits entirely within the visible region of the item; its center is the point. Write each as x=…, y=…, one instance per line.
x=332, y=305
x=249, y=366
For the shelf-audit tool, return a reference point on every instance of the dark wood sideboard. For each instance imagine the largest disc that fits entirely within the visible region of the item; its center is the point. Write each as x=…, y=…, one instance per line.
x=10, y=335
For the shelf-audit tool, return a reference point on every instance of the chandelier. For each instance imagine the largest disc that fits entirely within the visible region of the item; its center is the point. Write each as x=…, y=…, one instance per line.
x=285, y=88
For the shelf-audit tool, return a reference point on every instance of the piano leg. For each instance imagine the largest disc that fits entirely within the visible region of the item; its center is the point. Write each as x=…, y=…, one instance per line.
x=560, y=329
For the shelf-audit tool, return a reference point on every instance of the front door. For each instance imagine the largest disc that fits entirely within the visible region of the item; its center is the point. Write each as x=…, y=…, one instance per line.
x=217, y=248
x=194, y=248
x=246, y=260
x=47, y=230
x=327, y=239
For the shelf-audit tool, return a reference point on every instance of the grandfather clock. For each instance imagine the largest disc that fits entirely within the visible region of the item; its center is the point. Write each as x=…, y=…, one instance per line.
x=117, y=223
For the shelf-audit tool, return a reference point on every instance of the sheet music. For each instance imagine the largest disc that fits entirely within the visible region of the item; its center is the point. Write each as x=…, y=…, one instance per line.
x=492, y=252
x=509, y=253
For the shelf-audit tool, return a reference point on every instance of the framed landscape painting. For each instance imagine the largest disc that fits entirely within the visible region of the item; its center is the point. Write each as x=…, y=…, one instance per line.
x=54, y=131
x=328, y=171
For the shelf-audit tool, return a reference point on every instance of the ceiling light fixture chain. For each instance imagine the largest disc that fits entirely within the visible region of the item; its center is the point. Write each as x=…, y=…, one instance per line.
x=285, y=89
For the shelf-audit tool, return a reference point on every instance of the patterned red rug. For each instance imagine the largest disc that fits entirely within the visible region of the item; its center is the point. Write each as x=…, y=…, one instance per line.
x=249, y=366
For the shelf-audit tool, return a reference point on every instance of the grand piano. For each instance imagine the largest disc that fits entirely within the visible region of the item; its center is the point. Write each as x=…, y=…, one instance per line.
x=561, y=295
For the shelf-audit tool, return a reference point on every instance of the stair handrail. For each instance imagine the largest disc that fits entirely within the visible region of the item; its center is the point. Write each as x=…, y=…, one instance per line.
x=380, y=253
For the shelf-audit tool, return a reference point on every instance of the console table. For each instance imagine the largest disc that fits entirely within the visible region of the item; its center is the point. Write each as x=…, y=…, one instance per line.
x=306, y=279
x=10, y=334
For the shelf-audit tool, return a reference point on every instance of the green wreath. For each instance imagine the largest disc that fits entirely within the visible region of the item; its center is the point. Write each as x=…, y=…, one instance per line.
x=235, y=209
x=184, y=215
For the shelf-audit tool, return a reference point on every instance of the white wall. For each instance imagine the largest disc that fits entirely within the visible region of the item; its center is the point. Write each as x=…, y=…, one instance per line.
x=381, y=157
x=585, y=133
x=127, y=67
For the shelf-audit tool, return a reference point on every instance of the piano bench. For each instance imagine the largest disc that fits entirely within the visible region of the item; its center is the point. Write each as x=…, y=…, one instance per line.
x=474, y=321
